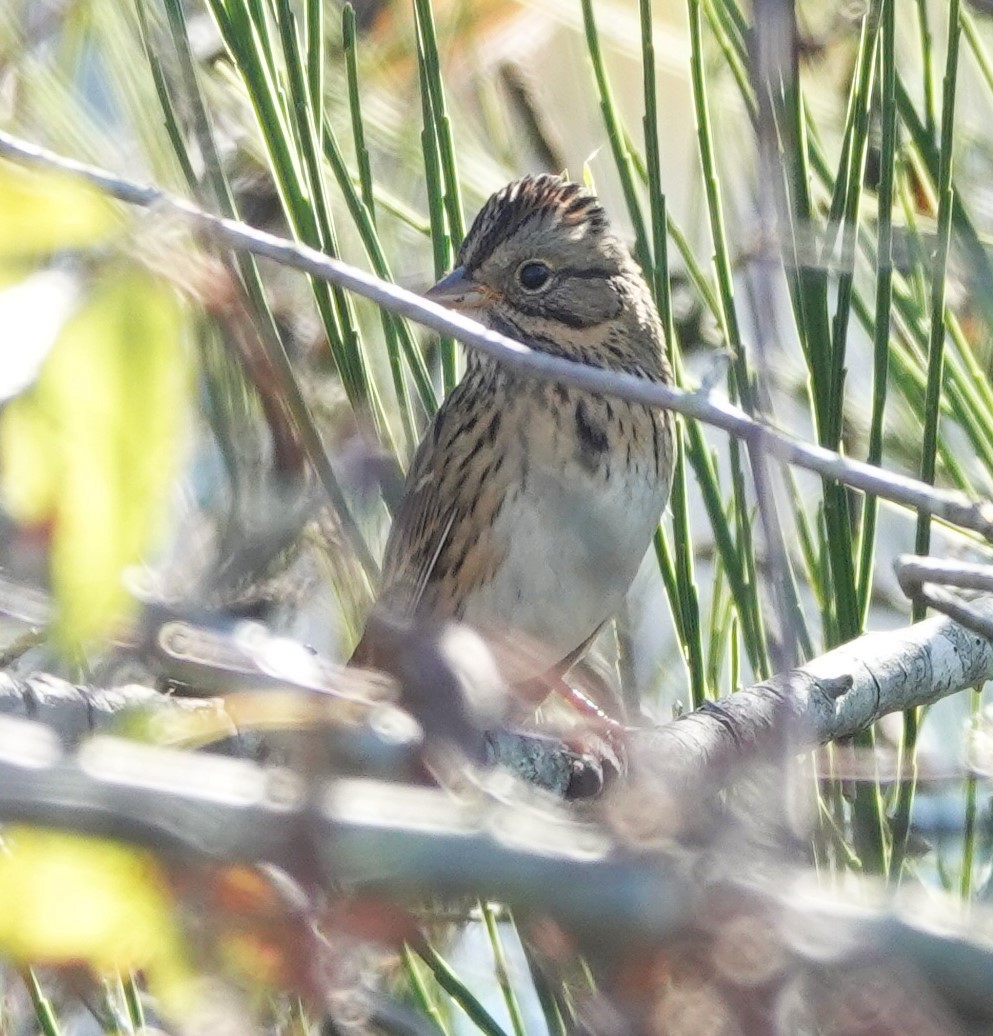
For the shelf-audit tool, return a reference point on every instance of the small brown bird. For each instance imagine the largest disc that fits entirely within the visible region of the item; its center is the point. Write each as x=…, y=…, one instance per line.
x=530, y=504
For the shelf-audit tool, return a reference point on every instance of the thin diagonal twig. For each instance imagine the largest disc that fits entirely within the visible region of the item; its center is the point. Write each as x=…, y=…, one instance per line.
x=953, y=507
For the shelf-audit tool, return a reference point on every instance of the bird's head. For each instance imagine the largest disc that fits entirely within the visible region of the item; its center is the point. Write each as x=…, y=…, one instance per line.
x=542, y=265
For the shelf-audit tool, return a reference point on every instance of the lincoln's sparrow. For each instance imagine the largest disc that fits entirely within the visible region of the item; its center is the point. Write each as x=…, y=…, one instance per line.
x=529, y=504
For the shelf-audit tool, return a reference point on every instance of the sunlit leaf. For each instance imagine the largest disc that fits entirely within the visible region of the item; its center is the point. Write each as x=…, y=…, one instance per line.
x=43, y=212
x=69, y=899
x=91, y=449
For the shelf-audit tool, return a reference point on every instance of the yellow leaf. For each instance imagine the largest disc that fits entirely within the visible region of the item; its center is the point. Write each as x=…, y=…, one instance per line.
x=92, y=447
x=71, y=899
x=43, y=212
x=28, y=453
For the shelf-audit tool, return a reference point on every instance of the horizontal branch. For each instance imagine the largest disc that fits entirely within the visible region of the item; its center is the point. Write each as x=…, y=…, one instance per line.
x=951, y=506
x=404, y=844
x=831, y=697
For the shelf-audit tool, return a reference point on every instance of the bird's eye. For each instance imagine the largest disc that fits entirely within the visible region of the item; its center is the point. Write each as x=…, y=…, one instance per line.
x=533, y=275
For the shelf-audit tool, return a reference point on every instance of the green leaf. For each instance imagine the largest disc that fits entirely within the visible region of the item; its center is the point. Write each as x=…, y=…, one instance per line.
x=44, y=212
x=91, y=449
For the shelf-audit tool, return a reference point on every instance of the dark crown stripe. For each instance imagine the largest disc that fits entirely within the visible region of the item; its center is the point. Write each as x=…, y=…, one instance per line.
x=520, y=202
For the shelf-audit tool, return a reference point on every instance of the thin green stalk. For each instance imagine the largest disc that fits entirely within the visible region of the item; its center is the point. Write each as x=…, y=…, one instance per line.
x=501, y=971
x=927, y=68
x=43, y=1010
x=809, y=294
x=173, y=131
x=734, y=677
x=427, y=1003
x=616, y=137
x=349, y=38
x=723, y=28
x=742, y=590
x=550, y=1004
x=939, y=279
x=728, y=314
x=132, y=1000
x=444, y=195
x=686, y=600
x=261, y=312
x=975, y=257
x=443, y=125
x=969, y=396
x=315, y=209
x=313, y=34
x=667, y=571
x=850, y=203
x=719, y=625
x=247, y=28
x=738, y=27
x=363, y=220
x=971, y=803
x=932, y=404
x=659, y=269
x=460, y=993
x=722, y=257
x=824, y=345
x=884, y=293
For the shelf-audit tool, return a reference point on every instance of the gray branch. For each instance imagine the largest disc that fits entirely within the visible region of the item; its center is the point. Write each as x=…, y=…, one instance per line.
x=832, y=697
x=954, y=507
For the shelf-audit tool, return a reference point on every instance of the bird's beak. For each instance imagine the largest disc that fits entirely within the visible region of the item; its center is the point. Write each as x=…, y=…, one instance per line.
x=457, y=290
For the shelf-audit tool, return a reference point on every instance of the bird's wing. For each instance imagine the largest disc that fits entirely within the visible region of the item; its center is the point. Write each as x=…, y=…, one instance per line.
x=421, y=526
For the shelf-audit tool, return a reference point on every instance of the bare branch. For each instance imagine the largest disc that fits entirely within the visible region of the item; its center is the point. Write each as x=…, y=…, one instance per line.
x=402, y=843
x=926, y=579
x=831, y=697
x=953, y=507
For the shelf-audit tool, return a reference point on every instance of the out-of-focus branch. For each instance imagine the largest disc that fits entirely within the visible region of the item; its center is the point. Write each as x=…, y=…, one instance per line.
x=403, y=843
x=831, y=697
x=952, y=506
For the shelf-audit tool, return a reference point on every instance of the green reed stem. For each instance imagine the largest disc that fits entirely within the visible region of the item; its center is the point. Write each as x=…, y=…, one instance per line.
x=706, y=473
x=261, y=312
x=724, y=29
x=551, y=1008
x=850, y=198
x=315, y=210
x=362, y=208
x=501, y=970
x=313, y=34
x=362, y=218
x=132, y=1001
x=932, y=403
x=971, y=802
x=159, y=81
x=978, y=49
x=936, y=344
x=427, y=1003
x=927, y=68
x=460, y=993
x=686, y=599
x=616, y=137
x=446, y=189
x=44, y=1012
x=884, y=294
x=722, y=255
x=728, y=317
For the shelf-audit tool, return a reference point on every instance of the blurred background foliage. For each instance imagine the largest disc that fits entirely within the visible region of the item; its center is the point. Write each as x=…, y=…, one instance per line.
x=807, y=191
